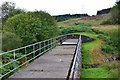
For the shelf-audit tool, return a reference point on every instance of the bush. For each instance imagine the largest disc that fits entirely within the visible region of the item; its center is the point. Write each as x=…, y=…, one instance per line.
x=114, y=37
x=32, y=26
x=107, y=48
x=106, y=22
x=101, y=36
x=115, y=13
x=10, y=41
x=76, y=29
x=97, y=31
x=113, y=68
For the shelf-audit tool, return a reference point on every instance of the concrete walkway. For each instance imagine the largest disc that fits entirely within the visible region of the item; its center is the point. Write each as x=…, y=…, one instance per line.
x=53, y=64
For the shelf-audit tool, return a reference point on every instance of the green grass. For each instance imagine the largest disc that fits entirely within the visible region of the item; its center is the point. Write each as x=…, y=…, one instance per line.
x=94, y=73
x=86, y=59
x=86, y=47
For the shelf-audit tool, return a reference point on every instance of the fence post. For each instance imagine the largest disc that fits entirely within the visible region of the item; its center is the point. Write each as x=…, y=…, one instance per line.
x=55, y=42
x=14, y=62
x=44, y=46
x=39, y=48
x=33, y=50
x=51, y=44
x=25, y=54
x=1, y=68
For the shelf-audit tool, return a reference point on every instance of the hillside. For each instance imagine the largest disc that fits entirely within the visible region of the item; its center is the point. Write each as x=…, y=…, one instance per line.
x=92, y=53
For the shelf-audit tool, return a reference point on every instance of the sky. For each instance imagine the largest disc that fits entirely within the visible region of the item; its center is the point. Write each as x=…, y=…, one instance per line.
x=59, y=7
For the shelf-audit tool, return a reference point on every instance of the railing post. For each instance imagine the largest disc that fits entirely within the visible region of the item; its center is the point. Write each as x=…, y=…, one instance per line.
x=25, y=54
x=33, y=50
x=55, y=42
x=51, y=44
x=1, y=68
x=44, y=46
x=39, y=48
x=14, y=61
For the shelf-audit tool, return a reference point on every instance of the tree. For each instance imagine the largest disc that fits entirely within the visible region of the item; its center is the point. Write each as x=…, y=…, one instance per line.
x=32, y=26
x=10, y=41
x=8, y=10
x=115, y=13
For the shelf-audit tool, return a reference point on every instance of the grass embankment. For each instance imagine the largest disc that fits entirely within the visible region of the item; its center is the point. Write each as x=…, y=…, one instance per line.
x=91, y=52
x=86, y=48
x=89, y=56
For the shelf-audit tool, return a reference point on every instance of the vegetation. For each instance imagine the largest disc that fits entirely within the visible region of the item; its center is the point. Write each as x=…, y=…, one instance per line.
x=69, y=16
x=114, y=15
x=91, y=21
x=94, y=73
x=9, y=10
x=86, y=50
x=115, y=12
x=32, y=26
x=23, y=28
x=79, y=28
x=10, y=41
x=106, y=70
x=111, y=41
x=112, y=68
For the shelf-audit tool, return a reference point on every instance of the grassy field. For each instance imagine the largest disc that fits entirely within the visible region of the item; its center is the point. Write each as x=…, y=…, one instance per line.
x=72, y=22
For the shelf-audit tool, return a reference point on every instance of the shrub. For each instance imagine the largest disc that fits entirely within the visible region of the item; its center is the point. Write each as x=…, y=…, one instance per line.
x=111, y=41
x=106, y=22
x=78, y=28
x=114, y=37
x=10, y=41
x=107, y=48
x=32, y=26
x=97, y=31
x=101, y=36
x=112, y=67
x=106, y=39
x=115, y=13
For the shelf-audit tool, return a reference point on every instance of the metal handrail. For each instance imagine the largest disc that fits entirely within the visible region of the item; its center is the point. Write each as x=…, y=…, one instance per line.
x=42, y=49
x=51, y=44
x=74, y=72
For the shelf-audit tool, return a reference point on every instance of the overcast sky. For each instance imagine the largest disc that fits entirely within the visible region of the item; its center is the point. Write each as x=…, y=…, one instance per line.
x=58, y=7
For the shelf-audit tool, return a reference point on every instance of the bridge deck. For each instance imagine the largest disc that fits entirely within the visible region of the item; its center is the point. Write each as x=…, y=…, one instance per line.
x=53, y=64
